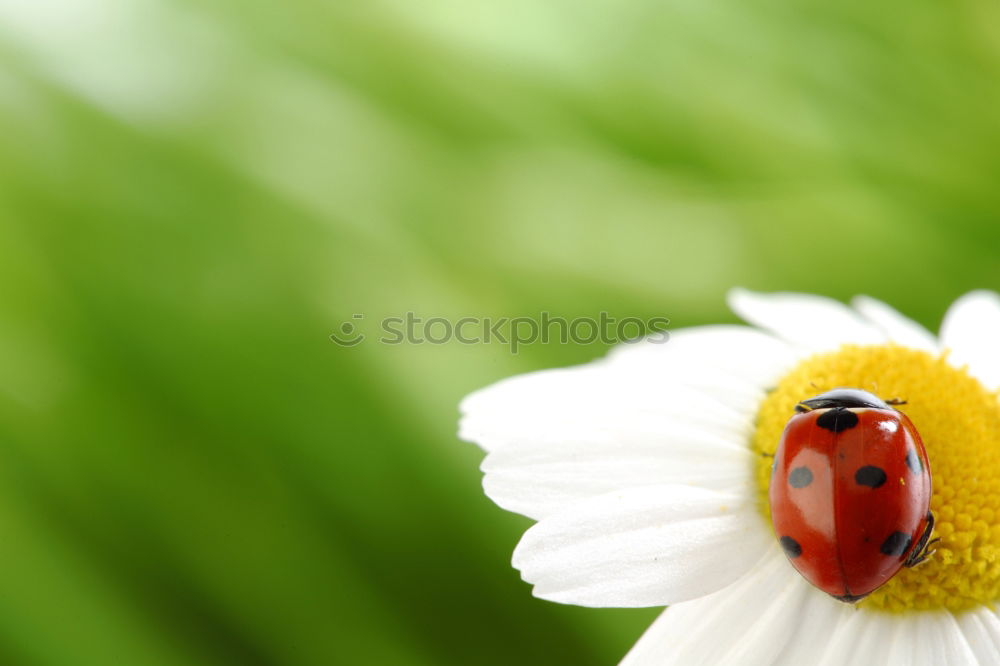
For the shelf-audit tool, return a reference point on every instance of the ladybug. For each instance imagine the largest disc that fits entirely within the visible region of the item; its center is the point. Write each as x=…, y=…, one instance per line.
x=850, y=492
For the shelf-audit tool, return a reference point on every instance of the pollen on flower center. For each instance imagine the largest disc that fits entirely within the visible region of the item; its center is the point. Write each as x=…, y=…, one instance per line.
x=959, y=422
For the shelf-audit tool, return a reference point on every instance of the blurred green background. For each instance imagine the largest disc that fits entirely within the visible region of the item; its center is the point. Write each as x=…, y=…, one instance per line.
x=195, y=195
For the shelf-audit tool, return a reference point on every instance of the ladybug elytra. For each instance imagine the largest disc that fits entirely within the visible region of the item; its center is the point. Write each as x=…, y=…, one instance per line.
x=850, y=492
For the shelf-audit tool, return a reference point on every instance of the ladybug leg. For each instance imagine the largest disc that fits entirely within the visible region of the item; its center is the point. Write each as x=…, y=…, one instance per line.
x=765, y=454
x=923, y=549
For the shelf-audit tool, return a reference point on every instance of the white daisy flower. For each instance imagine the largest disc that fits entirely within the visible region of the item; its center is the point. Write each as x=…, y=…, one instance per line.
x=647, y=473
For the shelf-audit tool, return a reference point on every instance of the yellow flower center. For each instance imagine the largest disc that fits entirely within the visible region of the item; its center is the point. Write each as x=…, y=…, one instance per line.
x=959, y=422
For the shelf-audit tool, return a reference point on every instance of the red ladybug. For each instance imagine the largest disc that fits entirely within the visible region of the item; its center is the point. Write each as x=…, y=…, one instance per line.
x=850, y=492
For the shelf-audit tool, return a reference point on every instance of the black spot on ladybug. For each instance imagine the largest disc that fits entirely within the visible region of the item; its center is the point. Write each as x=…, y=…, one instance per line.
x=913, y=462
x=870, y=476
x=790, y=546
x=800, y=477
x=896, y=544
x=837, y=420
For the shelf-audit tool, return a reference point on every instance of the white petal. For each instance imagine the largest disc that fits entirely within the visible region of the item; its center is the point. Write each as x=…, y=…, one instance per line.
x=812, y=322
x=680, y=412
x=566, y=435
x=812, y=634
x=715, y=376
x=538, y=479
x=648, y=546
x=860, y=637
x=982, y=630
x=772, y=617
x=563, y=403
x=595, y=431
x=897, y=328
x=748, y=623
x=935, y=638
x=870, y=638
x=970, y=330
x=738, y=351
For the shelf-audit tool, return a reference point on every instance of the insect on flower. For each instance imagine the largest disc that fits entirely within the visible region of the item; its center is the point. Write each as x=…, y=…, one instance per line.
x=850, y=492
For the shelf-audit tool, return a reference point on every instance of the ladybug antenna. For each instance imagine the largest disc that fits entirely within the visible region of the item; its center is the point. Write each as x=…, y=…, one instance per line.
x=896, y=401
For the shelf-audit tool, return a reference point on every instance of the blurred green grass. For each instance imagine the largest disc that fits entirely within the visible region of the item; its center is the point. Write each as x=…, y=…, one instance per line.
x=193, y=196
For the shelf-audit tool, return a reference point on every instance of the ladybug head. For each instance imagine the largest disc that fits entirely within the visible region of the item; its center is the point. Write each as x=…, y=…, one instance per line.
x=843, y=397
